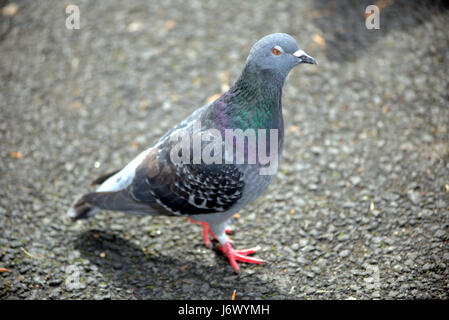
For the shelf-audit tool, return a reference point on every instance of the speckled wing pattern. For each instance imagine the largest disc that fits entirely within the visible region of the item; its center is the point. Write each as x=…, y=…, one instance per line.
x=185, y=189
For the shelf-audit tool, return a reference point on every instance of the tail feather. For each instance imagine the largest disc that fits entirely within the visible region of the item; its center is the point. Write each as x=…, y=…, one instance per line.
x=82, y=210
x=91, y=203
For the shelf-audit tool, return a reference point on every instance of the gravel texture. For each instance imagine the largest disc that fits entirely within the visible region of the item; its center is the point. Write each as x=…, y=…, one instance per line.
x=359, y=209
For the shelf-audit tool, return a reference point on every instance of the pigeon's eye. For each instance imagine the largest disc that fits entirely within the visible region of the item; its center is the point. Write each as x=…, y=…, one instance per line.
x=276, y=50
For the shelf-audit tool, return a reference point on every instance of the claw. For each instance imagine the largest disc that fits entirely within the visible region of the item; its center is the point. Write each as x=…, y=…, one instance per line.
x=239, y=255
x=229, y=230
x=248, y=251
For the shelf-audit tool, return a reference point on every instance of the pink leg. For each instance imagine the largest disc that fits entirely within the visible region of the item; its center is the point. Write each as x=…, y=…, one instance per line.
x=207, y=230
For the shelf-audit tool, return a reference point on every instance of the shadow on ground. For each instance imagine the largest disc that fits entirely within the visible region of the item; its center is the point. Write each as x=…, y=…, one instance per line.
x=343, y=23
x=145, y=273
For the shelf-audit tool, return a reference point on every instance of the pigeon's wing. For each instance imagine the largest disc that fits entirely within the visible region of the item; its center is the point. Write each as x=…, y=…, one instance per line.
x=103, y=178
x=185, y=189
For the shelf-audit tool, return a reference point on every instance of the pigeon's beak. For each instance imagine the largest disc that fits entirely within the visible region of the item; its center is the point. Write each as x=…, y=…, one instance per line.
x=304, y=57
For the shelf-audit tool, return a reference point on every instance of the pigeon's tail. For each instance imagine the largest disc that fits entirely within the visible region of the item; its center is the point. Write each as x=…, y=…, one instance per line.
x=82, y=209
x=90, y=203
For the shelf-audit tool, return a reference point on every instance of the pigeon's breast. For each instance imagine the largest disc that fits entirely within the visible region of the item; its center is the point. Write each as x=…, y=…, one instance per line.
x=255, y=184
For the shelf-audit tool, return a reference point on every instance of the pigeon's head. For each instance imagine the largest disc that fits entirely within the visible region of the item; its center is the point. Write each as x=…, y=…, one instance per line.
x=277, y=53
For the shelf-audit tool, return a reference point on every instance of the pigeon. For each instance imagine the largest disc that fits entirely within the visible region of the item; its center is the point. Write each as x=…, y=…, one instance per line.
x=194, y=171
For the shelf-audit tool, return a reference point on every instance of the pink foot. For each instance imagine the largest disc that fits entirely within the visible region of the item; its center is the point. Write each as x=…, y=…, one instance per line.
x=239, y=255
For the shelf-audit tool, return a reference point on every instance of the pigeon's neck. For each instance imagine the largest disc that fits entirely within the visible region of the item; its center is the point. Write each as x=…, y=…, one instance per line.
x=255, y=100
x=257, y=84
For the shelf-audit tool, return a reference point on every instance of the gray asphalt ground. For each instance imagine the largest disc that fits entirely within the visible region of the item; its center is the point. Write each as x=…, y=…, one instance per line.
x=359, y=209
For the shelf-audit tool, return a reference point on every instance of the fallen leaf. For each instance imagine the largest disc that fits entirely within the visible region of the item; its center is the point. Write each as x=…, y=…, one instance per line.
x=169, y=24
x=143, y=104
x=96, y=235
x=17, y=155
x=31, y=255
x=102, y=255
x=132, y=294
x=135, y=145
x=76, y=105
x=183, y=267
x=293, y=128
x=10, y=9
x=213, y=98
x=446, y=186
x=316, y=14
x=4, y=270
x=319, y=40
x=196, y=81
x=233, y=294
x=381, y=4
x=292, y=211
x=329, y=10
x=236, y=216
